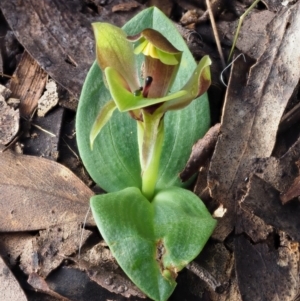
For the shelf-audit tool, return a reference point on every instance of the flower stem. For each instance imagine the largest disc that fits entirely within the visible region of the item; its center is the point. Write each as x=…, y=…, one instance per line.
x=150, y=138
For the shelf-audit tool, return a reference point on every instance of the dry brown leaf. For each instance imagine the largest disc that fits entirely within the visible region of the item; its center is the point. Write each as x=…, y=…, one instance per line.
x=44, y=253
x=39, y=284
x=265, y=273
x=292, y=192
x=9, y=289
x=101, y=267
x=252, y=113
x=37, y=193
x=263, y=200
x=253, y=226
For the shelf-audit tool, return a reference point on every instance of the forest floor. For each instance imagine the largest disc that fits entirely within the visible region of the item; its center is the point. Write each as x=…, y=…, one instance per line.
x=252, y=176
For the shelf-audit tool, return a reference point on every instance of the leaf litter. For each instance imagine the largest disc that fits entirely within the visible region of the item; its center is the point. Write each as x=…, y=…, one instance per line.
x=254, y=104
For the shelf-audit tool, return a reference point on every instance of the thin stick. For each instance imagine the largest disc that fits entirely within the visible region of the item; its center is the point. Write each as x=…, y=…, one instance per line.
x=5, y=75
x=206, y=277
x=215, y=31
x=69, y=147
x=242, y=17
x=43, y=130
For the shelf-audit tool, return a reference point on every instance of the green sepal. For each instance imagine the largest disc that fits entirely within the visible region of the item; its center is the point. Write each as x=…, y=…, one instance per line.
x=198, y=84
x=101, y=120
x=114, y=50
x=153, y=241
x=127, y=101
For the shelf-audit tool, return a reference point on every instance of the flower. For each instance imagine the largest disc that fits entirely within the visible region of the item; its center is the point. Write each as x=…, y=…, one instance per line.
x=116, y=57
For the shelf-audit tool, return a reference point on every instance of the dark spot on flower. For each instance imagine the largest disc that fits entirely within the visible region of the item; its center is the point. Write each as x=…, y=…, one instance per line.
x=148, y=82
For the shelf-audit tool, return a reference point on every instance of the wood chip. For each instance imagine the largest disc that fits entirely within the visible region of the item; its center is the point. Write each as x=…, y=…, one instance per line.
x=28, y=84
x=49, y=99
x=127, y=6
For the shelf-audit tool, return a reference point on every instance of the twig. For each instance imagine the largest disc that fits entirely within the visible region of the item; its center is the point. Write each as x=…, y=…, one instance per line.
x=215, y=31
x=69, y=147
x=206, y=277
x=43, y=130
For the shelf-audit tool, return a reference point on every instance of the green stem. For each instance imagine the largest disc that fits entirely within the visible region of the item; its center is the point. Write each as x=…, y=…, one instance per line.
x=150, y=138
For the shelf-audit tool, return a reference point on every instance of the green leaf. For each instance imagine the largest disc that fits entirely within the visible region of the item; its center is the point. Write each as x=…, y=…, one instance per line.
x=114, y=162
x=153, y=241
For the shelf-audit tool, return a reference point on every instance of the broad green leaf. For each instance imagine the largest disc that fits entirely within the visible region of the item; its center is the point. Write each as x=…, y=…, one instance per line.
x=152, y=242
x=114, y=162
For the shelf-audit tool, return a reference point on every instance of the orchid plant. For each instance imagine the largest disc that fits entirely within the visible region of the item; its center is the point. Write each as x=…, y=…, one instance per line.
x=153, y=226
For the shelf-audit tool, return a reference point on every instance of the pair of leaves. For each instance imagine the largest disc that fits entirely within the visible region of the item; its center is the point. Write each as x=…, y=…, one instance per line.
x=151, y=241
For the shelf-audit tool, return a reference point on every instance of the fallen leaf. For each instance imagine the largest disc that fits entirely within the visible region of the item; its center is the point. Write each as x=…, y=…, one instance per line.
x=76, y=285
x=46, y=252
x=56, y=35
x=265, y=273
x=37, y=193
x=39, y=284
x=9, y=288
x=263, y=200
x=253, y=226
x=292, y=192
x=9, y=122
x=102, y=268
